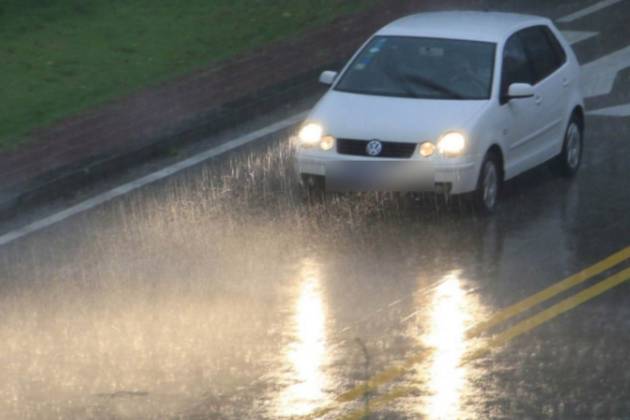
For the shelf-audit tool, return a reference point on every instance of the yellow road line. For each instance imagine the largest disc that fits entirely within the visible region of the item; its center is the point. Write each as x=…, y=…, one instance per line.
x=551, y=291
x=511, y=333
x=392, y=373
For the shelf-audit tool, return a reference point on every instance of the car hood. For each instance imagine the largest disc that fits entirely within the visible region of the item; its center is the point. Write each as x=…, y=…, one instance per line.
x=364, y=117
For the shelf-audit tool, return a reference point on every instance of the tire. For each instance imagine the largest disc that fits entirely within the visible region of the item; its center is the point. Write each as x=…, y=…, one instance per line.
x=568, y=162
x=486, y=197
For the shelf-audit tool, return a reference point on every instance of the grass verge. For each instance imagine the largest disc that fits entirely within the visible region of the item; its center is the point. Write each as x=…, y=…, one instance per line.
x=60, y=57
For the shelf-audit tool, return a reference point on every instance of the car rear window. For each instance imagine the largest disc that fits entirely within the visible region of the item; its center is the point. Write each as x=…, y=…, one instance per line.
x=516, y=65
x=541, y=52
x=561, y=55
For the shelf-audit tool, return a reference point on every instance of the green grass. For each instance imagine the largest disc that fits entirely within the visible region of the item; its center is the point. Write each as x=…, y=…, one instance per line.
x=60, y=57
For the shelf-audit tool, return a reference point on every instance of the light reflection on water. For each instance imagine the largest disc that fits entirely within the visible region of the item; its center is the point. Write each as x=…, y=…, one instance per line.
x=307, y=353
x=446, y=336
x=451, y=312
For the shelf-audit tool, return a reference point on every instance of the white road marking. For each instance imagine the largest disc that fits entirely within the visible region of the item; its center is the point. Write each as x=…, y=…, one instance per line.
x=148, y=179
x=578, y=36
x=588, y=10
x=394, y=303
x=598, y=77
x=613, y=111
x=410, y=316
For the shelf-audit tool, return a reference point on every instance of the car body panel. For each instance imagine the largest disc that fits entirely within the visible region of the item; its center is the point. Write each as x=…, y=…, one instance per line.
x=366, y=117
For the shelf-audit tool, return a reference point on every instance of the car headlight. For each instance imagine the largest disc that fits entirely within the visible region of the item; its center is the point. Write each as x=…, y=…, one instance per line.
x=310, y=135
x=452, y=144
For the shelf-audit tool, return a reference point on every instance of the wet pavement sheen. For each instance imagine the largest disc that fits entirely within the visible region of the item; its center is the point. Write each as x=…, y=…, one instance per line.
x=226, y=293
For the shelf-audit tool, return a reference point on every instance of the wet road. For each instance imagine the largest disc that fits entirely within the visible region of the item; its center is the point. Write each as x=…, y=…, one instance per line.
x=223, y=293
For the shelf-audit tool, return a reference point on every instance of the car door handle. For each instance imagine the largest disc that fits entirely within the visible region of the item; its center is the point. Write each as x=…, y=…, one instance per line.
x=538, y=99
x=566, y=82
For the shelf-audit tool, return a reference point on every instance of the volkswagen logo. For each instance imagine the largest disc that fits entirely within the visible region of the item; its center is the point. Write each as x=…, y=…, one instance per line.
x=374, y=148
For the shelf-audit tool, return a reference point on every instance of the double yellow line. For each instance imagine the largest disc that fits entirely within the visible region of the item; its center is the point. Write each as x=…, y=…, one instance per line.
x=391, y=374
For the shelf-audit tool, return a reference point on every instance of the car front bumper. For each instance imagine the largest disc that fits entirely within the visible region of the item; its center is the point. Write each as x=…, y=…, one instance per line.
x=359, y=173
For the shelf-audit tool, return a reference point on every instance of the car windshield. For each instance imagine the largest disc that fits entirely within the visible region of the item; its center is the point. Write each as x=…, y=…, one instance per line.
x=421, y=68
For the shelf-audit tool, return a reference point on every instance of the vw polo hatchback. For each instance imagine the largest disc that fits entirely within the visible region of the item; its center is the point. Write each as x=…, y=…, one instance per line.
x=451, y=102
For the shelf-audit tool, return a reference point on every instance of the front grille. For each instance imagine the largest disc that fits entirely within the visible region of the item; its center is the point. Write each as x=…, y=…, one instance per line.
x=390, y=149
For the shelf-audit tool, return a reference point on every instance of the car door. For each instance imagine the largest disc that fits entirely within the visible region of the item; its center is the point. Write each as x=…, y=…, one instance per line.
x=551, y=84
x=517, y=116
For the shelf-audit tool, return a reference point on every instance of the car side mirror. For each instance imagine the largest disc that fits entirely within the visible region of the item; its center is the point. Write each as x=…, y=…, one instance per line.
x=520, y=91
x=328, y=77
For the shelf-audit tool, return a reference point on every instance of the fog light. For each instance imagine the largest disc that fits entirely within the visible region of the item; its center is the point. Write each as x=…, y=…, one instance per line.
x=427, y=149
x=327, y=143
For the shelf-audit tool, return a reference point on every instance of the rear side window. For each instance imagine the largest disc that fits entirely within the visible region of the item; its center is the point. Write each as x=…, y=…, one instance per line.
x=539, y=49
x=558, y=49
x=516, y=65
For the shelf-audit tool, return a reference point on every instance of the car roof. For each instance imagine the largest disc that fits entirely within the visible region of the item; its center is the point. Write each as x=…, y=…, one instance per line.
x=477, y=26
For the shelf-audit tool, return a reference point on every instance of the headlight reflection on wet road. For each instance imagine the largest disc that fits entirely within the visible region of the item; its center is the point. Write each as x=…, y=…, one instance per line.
x=451, y=312
x=307, y=354
x=447, y=336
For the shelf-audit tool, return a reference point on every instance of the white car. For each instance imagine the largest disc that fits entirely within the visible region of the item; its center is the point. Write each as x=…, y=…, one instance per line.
x=461, y=100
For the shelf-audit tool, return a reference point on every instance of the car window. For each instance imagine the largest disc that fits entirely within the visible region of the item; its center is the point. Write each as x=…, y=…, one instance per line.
x=558, y=49
x=516, y=65
x=416, y=67
x=540, y=51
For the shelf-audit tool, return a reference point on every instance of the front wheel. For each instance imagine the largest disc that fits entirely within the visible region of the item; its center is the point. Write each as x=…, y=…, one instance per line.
x=569, y=160
x=486, y=196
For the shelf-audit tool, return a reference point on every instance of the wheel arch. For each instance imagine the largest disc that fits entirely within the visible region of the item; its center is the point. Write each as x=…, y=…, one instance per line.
x=578, y=112
x=496, y=151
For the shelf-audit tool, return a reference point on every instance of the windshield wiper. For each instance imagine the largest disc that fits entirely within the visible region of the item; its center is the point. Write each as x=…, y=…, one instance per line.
x=419, y=80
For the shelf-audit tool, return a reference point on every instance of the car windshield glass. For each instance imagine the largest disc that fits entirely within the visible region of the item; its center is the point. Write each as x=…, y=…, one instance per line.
x=421, y=68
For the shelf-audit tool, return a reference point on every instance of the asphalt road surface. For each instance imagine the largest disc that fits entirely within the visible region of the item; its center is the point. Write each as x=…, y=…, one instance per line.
x=221, y=292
